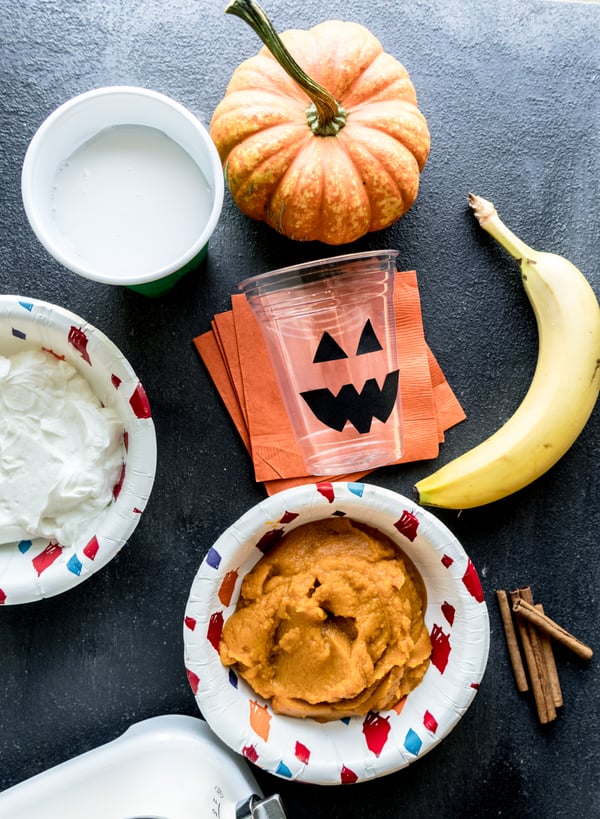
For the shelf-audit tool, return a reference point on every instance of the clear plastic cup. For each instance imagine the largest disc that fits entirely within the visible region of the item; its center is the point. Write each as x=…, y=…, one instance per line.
x=330, y=331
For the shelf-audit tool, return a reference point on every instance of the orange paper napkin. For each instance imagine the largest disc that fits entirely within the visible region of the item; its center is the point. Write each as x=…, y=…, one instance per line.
x=237, y=360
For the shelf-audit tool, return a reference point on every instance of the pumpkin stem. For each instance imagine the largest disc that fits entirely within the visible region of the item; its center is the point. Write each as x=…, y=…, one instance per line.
x=325, y=116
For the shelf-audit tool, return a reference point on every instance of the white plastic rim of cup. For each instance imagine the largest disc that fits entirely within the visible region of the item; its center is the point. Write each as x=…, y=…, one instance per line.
x=81, y=119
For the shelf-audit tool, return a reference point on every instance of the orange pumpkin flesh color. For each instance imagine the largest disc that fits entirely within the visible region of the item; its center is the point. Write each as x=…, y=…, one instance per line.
x=328, y=151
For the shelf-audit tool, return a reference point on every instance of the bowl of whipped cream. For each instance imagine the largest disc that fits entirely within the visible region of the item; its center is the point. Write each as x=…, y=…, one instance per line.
x=77, y=450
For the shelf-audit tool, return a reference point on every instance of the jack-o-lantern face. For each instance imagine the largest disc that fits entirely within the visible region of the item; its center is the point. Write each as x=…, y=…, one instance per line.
x=350, y=405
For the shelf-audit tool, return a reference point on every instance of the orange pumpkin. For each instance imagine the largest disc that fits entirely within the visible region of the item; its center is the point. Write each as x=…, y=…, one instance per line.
x=328, y=151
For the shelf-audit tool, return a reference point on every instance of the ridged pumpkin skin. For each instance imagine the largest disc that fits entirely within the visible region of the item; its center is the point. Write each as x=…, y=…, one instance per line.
x=333, y=189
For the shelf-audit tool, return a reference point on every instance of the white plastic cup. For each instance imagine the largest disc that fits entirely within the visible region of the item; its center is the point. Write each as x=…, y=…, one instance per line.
x=330, y=330
x=106, y=186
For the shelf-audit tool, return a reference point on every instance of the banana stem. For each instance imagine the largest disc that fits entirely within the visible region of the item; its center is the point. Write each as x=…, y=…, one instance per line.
x=325, y=115
x=487, y=216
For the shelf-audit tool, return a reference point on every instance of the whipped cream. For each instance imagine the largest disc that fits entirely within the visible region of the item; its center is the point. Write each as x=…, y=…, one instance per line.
x=61, y=451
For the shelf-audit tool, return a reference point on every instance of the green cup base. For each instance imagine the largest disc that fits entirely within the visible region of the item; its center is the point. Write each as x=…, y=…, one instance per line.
x=160, y=287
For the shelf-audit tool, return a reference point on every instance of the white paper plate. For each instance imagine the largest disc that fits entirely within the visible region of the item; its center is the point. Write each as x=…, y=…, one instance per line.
x=34, y=569
x=344, y=751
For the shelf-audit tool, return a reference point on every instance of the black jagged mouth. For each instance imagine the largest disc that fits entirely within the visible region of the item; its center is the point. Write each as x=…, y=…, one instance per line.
x=351, y=406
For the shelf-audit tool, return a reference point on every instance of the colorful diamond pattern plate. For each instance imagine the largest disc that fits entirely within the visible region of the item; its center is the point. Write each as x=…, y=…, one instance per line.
x=30, y=570
x=356, y=749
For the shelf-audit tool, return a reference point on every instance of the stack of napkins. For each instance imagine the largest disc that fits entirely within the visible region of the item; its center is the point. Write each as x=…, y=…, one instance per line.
x=237, y=360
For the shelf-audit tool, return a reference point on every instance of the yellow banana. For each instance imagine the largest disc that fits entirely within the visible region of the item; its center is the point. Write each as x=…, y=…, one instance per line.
x=562, y=393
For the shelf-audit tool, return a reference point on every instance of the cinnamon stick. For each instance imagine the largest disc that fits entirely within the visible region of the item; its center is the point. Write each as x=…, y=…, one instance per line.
x=551, y=668
x=528, y=612
x=512, y=642
x=538, y=638
x=534, y=659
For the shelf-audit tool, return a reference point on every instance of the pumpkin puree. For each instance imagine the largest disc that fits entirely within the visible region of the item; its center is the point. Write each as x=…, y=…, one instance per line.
x=330, y=623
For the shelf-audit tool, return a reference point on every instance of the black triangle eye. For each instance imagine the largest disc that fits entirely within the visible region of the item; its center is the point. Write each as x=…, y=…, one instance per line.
x=328, y=350
x=368, y=343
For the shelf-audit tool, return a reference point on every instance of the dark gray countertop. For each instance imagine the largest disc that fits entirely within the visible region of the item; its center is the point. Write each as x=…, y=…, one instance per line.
x=510, y=91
